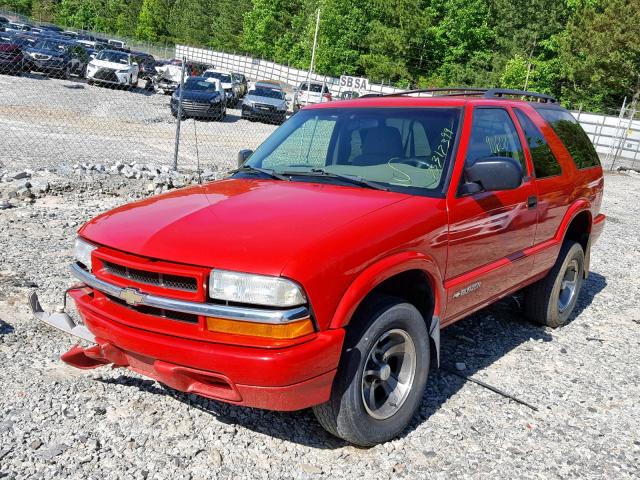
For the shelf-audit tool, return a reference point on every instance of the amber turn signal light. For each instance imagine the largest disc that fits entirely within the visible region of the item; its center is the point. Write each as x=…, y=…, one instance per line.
x=283, y=331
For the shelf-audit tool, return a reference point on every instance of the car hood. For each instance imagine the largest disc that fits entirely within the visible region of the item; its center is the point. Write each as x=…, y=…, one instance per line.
x=111, y=65
x=276, y=102
x=196, y=95
x=42, y=51
x=236, y=224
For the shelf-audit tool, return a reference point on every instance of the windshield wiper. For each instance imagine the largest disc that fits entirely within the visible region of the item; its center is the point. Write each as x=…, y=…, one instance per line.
x=352, y=179
x=265, y=171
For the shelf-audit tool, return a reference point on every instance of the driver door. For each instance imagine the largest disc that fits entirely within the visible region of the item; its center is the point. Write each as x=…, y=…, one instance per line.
x=489, y=231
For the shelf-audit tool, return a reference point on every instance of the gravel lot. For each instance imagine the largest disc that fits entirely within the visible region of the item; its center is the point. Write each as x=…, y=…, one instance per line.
x=584, y=379
x=59, y=422
x=47, y=122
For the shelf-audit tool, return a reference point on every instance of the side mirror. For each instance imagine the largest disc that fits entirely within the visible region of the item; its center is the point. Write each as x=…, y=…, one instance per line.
x=288, y=98
x=243, y=155
x=492, y=174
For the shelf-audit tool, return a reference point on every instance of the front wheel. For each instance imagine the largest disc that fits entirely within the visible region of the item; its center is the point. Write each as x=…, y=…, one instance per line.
x=382, y=373
x=551, y=301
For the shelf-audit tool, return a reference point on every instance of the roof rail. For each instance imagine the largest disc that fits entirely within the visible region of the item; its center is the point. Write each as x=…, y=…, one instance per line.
x=468, y=91
x=502, y=92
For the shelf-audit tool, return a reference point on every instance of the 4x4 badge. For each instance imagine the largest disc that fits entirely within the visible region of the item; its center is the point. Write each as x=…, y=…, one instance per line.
x=471, y=288
x=131, y=296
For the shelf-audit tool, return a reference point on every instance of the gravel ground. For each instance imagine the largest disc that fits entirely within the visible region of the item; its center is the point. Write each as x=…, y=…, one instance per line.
x=48, y=122
x=59, y=422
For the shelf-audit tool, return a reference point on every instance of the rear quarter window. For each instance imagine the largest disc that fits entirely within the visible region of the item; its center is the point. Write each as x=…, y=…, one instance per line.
x=544, y=162
x=573, y=137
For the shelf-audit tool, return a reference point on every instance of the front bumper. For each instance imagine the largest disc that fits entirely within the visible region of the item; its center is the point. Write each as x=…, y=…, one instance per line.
x=289, y=378
x=198, y=109
x=107, y=75
x=249, y=111
x=47, y=66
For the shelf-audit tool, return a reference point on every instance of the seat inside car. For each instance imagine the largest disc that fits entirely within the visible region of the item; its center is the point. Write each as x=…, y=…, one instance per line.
x=379, y=145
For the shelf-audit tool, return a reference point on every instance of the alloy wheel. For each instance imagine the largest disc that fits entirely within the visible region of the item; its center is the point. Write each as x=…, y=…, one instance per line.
x=388, y=374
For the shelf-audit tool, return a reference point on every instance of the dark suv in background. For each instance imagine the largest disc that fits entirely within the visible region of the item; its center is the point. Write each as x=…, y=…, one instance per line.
x=59, y=58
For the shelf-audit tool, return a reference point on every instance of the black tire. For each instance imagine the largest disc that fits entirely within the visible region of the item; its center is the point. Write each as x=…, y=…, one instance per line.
x=542, y=300
x=345, y=414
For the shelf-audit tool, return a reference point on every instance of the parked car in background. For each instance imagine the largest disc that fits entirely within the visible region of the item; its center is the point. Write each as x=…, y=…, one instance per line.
x=12, y=61
x=55, y=57
x=147, y=68
x=348, y=95
x=262, y=103
x=16, y=27
x=309, y=93
x=117, y=43
x=241, y=80
x=168, y=77
x=201, y=98
x=113, y=67
x=231, y=89
x=268, y=84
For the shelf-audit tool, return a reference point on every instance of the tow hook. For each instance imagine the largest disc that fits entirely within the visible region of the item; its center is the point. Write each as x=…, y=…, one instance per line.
x=60, y=320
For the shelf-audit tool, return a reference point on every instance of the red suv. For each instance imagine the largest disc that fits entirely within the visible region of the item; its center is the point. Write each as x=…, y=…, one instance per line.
x=321, y=272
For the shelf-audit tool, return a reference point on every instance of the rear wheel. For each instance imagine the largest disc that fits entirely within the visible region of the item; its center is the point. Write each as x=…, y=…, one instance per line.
x=551, y=301
x=382, y=374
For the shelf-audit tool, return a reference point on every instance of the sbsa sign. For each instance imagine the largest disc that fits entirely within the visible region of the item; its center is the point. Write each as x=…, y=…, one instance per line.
x=354, y=83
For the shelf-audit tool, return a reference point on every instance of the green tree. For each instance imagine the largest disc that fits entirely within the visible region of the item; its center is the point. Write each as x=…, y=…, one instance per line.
x=153, y=20
x=600, y=55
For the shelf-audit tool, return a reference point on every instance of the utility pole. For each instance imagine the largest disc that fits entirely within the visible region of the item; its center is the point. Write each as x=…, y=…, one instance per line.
x=313, y=55
x=526, y=81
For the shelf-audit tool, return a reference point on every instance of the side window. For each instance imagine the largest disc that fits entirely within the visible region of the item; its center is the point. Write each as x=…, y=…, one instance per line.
x=572, y=135
x=494, y=134
x=544, y=162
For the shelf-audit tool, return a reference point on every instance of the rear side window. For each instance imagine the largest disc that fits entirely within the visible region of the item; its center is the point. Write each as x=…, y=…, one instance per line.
x=493, y=134
x=544, y=162
x=573, y=137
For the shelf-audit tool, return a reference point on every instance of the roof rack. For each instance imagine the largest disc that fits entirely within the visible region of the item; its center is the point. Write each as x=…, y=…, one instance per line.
x=468, y=91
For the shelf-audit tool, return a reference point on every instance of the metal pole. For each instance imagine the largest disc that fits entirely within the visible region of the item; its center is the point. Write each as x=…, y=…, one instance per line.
x=313, y=55
x=179, y=117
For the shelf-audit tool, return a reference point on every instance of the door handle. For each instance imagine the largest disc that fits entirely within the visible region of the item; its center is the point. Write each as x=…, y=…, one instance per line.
x=532, y=201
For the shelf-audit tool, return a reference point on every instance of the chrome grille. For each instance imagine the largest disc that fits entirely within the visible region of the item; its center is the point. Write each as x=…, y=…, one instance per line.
x=163, y=280
x=156, y=312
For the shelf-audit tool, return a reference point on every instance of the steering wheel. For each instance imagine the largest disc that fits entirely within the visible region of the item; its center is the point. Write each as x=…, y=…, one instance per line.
x=417, y=162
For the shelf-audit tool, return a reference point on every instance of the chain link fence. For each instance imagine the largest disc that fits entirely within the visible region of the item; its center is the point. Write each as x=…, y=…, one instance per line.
x=57, y=109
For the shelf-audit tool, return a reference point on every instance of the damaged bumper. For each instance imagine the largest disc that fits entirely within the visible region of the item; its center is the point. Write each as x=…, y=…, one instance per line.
x=283, y=379
x=60, y=320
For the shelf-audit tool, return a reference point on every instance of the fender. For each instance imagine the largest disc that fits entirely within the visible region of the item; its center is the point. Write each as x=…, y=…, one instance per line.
x=576, y=207
x=384, y=269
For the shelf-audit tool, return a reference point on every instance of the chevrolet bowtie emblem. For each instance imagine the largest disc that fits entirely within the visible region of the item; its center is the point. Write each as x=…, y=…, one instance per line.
x=131, y=296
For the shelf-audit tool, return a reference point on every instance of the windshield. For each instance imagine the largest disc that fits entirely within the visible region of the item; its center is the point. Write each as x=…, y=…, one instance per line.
x=114, y=57
x=267, y=92
x=403, y=149
x=52, y=45
x=199, y=85
x=223, y=77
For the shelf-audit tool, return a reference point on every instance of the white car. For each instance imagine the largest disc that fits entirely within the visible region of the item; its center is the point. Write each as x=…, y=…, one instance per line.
x=113, y=67
x=231, y=88
x=309, y=93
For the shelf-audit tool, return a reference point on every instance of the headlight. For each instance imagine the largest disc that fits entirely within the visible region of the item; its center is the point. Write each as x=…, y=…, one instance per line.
x=82, y=252
x=254, y=289
x=126, y=70
x=249, y=103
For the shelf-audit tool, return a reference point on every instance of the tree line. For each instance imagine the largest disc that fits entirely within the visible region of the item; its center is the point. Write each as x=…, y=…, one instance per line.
x=586, y=52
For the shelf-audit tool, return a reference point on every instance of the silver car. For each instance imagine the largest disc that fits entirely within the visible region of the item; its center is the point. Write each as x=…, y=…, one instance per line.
x=263, y=103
